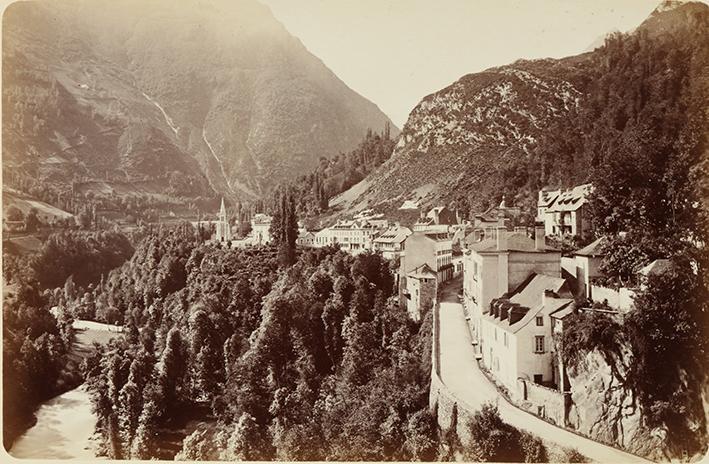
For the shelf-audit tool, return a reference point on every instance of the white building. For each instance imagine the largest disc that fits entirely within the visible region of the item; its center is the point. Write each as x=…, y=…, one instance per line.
x=354, y=236
x=391, y=241
x=565, y=212
x=496, y=266
x=516, y=332
x=261, y=229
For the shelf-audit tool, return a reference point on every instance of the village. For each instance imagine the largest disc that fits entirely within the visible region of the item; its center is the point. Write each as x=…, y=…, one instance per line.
x=512, y=284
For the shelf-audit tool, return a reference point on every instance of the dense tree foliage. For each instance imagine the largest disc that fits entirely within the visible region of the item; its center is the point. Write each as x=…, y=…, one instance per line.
x=310, y=362
x=284, y=226
x=35, y=345
x=644, y=136
x=492, y=439
x=337, y=174
x=84, y=256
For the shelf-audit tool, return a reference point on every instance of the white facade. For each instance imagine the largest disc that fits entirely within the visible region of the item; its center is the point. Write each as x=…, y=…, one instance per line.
x=516, y=335
x=261, y=229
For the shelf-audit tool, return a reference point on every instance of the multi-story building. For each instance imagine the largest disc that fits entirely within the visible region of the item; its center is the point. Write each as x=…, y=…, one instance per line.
x=494, y=267
x=391, y=241
x=354, y=236
x=516, y=332
x=261, y=229
x=566, y=212
x=422, y=289
x=429, y=249
x=434, y=249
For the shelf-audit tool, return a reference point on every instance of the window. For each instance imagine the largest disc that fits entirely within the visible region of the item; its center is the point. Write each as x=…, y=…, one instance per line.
x=538, y=378
x=540, y=320
x=539, y=344
x=504, y=336
x=495, y=333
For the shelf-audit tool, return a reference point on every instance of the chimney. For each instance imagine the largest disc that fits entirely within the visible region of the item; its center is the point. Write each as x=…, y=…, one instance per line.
x=501, y=239
x=517, y=313
x=547, y=294
x=539, y=237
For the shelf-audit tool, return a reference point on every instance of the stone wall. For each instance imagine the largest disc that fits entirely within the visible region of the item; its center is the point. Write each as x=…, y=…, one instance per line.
x=449, y=411
x=542, y=401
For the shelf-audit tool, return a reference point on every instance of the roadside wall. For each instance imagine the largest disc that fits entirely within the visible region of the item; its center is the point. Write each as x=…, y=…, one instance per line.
x=542, y=401
x=441, y=400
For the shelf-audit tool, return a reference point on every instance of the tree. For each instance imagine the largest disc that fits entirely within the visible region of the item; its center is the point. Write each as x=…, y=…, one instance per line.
x=32, y=221
x=14, y=213
x=491, y=439
x=284, y=226
x=248, y=441
x=421, y=440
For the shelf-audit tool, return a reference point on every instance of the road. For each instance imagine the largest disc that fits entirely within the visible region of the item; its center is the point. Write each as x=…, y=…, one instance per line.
x=462, y=375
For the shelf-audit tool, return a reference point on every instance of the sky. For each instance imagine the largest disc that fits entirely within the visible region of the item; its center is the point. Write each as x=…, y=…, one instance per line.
x=395, y=52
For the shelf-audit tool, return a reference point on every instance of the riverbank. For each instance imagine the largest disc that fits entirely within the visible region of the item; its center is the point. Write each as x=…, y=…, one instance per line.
x=64, y=429
x=86, y=334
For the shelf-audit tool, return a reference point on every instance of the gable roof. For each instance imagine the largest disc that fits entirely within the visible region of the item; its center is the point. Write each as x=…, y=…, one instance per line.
x=593, y=249
x=423, y=271
x=393, y=235
x=571, y=199
x=531, y=296
x=657, y=267
x=547, y=197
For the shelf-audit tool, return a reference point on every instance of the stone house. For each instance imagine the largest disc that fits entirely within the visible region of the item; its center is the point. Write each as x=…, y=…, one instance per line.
x=516, y=332
x=421, y=292
x=494, y=267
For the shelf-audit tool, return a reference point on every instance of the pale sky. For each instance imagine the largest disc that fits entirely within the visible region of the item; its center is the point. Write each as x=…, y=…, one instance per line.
x=395, y=52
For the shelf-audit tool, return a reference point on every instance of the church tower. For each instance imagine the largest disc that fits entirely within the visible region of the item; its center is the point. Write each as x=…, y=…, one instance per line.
x=223, y=228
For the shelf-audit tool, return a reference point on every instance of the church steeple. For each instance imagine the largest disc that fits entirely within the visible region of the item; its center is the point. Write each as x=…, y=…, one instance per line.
x=222, y=212
x=223, y=227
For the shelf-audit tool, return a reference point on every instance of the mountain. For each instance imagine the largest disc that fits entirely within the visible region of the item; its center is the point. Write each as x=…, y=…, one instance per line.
x=513, y=129
x=188, y=98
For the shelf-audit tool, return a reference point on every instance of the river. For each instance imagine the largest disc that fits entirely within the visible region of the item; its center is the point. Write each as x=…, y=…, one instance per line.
x=65, y=424
x=64, y=429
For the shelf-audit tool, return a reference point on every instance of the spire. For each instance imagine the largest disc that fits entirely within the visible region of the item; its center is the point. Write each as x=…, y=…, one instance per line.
x=222, y=211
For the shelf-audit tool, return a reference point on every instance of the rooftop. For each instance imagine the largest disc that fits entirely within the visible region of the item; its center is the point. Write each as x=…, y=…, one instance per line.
x=593, y=249
x=423, y=271
x=516, y=241
x=571, y=199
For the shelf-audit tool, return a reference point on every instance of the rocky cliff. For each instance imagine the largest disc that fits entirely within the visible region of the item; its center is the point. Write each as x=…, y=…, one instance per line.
x=197, y=96
x=606, y=409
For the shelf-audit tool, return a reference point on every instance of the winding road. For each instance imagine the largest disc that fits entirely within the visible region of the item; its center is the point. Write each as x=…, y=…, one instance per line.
x=463, y=377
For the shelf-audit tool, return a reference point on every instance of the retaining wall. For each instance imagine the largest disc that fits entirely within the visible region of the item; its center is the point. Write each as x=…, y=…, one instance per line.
x=620, y=299
x=542, y=401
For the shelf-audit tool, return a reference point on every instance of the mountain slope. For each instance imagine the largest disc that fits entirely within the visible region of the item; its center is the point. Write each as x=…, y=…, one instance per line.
x=514, y=129
x=199, y=97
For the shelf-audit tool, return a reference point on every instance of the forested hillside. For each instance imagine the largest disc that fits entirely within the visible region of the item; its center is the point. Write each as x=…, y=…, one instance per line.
x=546, y=123
x=313, y=362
